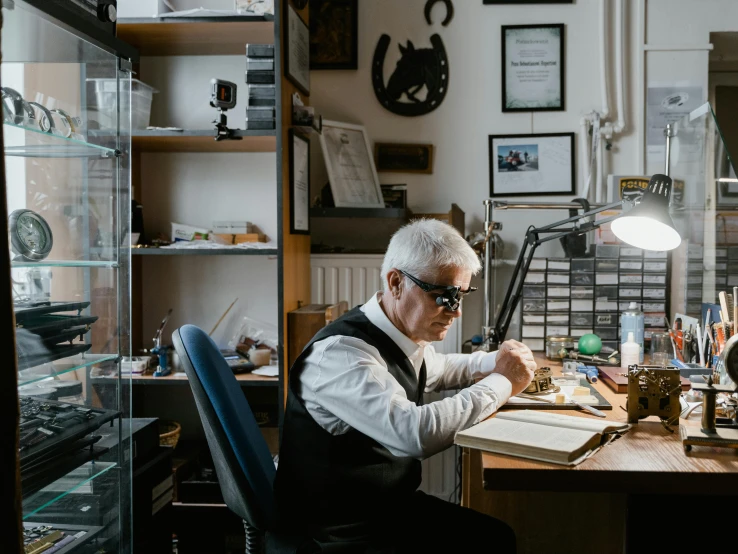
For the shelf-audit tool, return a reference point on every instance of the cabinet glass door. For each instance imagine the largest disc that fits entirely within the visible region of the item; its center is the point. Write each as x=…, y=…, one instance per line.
x=66, y=131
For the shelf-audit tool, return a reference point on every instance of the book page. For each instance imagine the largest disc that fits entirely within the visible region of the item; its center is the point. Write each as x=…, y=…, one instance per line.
x=540, y=442
x=561, y=420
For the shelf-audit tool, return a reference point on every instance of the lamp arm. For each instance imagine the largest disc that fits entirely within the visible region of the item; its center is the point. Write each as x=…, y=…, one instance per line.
x=531, y=242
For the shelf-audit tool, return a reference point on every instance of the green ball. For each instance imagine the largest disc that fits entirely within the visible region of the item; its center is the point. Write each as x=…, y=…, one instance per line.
x=590, y=344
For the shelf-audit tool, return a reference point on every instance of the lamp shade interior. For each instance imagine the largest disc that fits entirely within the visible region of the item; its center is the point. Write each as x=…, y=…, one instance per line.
x=646, y=232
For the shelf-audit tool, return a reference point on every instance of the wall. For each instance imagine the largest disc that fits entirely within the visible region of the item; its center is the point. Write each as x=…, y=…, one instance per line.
x=471, y=111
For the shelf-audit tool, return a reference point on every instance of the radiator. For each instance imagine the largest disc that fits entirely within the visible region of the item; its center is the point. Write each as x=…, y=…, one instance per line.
x=355, y=278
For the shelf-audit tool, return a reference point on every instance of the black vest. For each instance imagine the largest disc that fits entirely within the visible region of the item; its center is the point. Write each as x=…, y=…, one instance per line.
x=342, y=485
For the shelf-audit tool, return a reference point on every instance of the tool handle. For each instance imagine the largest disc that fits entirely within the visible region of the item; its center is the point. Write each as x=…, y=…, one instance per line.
x=590, y=409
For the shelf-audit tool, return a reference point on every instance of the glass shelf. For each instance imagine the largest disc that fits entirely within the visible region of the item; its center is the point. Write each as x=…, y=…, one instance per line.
x=38, y=144
x=66, y=263
x=73, y=481
x=60, y=367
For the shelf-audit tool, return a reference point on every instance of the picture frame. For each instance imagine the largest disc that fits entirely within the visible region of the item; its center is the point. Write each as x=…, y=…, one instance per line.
x=297, y=51
x=532, y=164
x=349, y=162
x=403, y=158
x=299, y=162
x=334, y=34
x=533, y=68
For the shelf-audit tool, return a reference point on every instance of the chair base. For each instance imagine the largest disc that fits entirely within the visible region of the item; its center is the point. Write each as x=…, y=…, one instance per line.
x=255, y=539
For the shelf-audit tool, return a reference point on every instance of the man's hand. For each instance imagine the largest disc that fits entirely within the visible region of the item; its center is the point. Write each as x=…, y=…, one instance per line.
x=515, y=361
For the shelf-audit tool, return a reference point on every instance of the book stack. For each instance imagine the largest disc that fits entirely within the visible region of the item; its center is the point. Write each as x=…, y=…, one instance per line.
x=260, y=87
x=577, y=296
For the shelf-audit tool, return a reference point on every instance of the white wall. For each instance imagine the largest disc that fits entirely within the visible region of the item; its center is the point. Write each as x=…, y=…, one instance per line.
x=471, y=111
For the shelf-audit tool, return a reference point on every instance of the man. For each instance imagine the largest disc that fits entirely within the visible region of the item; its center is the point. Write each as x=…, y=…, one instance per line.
x=356, y=428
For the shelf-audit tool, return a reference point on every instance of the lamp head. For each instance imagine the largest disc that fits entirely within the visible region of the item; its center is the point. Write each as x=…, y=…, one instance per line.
x=649, y=225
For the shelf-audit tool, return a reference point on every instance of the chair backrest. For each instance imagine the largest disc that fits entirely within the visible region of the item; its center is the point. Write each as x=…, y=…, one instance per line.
x=242, y=460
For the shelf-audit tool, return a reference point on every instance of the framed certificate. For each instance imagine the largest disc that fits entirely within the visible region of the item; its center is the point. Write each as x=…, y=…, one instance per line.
x=299, y=183
x=531, y=165
x=350, y=164
x=297, y=53
x=533, y=68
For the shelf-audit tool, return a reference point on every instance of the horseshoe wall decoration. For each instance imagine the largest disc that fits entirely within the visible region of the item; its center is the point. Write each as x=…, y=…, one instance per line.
x=416, y=68
x=449, y=11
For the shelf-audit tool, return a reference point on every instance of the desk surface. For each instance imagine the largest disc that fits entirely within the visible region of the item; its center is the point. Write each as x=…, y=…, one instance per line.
x=647, y=459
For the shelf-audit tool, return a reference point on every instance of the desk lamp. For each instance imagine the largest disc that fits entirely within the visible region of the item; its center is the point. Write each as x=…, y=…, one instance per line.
x=647, y=225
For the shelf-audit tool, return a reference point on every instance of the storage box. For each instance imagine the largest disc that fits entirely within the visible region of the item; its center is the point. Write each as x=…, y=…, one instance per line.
x=303, y=323
x=141, y=8
x=582, y=278
x=102, y=98
x=182, y=232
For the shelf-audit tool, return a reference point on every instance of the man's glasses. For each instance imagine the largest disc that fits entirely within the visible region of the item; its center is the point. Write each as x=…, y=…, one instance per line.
x=449, y=296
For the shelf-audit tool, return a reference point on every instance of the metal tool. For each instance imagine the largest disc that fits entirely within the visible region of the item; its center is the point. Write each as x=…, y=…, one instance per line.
x=574, y=355
x=590, y=409
x=160, y=351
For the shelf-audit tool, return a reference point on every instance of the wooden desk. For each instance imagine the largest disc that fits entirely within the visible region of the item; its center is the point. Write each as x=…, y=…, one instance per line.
x=541, y=500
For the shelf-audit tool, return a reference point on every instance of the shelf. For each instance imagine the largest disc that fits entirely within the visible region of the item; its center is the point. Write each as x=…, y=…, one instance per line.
x=66, y=263
x=37, y=144
x=393, y=213
x=206, y=36
x=204, y=251
x=204, y=141
x=180, y=378
x=60, y=488
x=60, y=367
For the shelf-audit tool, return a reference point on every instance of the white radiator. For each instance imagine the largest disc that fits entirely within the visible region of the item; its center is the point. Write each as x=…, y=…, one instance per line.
x=355, y=278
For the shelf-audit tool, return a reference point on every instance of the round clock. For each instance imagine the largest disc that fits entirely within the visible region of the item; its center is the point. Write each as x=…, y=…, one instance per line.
x=30, y=235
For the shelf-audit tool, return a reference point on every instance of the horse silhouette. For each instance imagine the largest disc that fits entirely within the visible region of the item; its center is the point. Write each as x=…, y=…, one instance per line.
x=416, y=67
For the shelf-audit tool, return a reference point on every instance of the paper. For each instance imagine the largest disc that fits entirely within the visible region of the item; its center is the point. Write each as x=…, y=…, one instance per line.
x=267, y=371
x=300, y=184
x=567, y=390
x=664, y=105
x=199, y=12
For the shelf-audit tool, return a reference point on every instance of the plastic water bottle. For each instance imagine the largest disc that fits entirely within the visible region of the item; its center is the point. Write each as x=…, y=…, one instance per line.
x=632, y=321
x=629, y=352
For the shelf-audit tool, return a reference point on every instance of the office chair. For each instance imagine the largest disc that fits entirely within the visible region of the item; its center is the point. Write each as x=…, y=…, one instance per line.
x=242, y=461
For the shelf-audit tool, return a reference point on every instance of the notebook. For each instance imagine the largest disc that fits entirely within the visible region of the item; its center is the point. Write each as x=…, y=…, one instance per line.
x=546, y=437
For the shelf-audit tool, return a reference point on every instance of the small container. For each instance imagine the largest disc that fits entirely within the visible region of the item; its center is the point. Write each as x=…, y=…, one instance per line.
x=556, y=343
x=630, y=352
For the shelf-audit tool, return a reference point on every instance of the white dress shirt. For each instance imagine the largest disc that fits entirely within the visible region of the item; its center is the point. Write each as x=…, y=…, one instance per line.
x=346, y=384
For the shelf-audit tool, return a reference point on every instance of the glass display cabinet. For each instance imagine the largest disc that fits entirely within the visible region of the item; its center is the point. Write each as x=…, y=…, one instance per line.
x=66, y=138
x=577, y=287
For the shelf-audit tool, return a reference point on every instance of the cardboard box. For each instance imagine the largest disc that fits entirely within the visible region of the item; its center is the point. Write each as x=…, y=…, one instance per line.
x=182, y=232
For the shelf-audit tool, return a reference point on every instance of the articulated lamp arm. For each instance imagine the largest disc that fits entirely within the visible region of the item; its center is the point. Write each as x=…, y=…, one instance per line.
x=534, y=237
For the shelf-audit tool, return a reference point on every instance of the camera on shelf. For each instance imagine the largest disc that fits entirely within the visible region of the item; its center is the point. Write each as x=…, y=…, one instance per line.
x=223, y=97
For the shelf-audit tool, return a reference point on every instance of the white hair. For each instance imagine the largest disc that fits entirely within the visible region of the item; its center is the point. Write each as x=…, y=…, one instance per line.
x=424, y=246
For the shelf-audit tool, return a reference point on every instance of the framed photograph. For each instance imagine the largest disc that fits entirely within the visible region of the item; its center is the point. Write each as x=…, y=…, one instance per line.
x=297, y=52
x=350, y=164
x=334, y=34
x=531, y=165
x=404, y=158
x=299, y=183
x=533, y=68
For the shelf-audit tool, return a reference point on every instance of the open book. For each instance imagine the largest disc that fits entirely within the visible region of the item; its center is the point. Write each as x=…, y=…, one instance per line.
x=561, y=439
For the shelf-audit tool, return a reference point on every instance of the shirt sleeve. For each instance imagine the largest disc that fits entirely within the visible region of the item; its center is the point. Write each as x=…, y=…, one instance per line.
x=350, y=381
x=453, y=371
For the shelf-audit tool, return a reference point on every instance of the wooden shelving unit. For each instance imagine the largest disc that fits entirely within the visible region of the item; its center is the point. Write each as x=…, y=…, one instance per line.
x=207, y=36
x=204, y=141
x=211, y=37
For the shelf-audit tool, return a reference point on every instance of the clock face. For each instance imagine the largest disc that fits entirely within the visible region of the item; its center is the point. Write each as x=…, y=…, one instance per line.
x=32, y=233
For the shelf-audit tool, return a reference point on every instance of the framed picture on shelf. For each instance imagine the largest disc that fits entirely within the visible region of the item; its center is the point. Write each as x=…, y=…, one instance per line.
x=299, y=183
x=297, y=53
x=533, y=68
x=350, y=164
x=531, y=165
x=334, y=34
x=405, y=158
